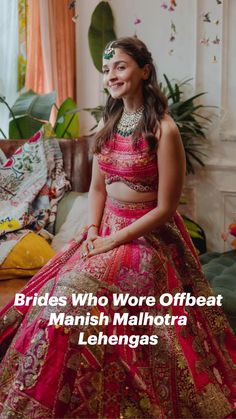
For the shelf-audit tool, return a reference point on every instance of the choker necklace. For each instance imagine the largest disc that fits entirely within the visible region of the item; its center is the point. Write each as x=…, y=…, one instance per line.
x=129, y=121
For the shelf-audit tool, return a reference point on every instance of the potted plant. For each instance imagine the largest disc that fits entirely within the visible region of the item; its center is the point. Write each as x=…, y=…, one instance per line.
x=31, y=111
x=192, y=124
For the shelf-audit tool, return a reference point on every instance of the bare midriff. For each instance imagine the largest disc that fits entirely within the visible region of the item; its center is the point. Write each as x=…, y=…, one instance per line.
x=122, y=192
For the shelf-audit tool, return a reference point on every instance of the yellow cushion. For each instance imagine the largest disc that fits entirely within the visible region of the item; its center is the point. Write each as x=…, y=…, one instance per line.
x=29, y=255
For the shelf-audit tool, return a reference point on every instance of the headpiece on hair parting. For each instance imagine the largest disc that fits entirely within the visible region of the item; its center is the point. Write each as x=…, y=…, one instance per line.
x=109, y=52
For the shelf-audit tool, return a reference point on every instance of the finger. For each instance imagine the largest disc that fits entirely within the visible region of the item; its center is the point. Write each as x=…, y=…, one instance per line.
x=98, y=250
x=90, y=246
x=84, y=251
x=95, y=252
x=84, y=255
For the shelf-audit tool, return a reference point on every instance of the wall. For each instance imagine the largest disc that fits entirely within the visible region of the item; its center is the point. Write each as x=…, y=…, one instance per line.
x=212, y=190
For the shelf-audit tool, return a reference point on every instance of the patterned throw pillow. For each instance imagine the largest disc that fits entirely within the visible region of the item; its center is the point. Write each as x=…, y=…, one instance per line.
x=2, y=157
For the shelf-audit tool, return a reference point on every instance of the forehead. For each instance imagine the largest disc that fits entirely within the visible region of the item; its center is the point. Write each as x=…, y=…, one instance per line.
x=119, y=55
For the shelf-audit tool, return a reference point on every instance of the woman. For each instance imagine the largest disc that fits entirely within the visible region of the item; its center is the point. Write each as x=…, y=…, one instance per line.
x=136, y=246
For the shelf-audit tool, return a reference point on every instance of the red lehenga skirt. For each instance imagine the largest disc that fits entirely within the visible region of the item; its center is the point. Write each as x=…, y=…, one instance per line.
x=189, y=373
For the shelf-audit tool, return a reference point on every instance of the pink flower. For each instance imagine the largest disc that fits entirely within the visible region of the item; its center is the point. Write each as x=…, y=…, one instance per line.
x=164, y=5
x=232, y=229
x=204, y=41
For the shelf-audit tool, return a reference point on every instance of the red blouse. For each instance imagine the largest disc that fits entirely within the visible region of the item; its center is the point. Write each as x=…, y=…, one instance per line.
x=120, y=162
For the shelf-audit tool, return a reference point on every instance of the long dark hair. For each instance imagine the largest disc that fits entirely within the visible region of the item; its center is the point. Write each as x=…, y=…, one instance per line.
x=154, y=99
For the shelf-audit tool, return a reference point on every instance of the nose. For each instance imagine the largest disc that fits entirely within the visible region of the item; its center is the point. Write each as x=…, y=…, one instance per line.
x=112, y=75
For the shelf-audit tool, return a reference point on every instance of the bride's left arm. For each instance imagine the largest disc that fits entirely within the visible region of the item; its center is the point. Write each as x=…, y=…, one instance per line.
x=171, y=173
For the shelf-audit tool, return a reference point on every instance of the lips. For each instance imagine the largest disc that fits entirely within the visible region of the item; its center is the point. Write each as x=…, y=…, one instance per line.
x=116, y=85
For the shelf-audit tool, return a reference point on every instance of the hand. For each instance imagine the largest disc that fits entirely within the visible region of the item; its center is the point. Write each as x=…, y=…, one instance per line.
x=102, y=245
x=88, y=244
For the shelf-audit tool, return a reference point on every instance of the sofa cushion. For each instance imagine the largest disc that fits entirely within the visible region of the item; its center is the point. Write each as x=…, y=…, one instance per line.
x=64, y=207
x=73, y=212
x=30, y=254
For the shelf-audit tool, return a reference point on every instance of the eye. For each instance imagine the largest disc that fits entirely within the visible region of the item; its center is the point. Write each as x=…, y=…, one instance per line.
x=105, y=71
x=121, y=67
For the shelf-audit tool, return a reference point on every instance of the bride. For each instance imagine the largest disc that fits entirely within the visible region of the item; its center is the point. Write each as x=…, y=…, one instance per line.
x=136, y=245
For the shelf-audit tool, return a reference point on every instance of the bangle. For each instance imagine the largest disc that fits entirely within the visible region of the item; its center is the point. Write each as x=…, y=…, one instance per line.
x=92, y=225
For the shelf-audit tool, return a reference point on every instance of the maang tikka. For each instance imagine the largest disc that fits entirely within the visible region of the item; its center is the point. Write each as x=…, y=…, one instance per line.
x=109, y=52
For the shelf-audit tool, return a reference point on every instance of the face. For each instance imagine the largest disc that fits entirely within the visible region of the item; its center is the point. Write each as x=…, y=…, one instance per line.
x=122, y=76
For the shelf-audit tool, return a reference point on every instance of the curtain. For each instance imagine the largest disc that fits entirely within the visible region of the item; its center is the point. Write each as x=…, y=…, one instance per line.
x=8, y=58
x=22, y=18
x=51, y=48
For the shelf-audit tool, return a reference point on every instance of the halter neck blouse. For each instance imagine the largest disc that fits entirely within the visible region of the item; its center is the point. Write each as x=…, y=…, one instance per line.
x=120, y=162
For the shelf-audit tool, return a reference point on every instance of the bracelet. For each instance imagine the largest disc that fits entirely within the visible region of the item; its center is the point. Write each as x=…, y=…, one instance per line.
x=92, y=225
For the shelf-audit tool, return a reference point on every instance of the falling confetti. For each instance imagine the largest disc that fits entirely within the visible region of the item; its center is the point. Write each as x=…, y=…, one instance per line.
x=164, y=5
x=214, y=60
x=173, y=27
x=172, y=5
x=74, y=18
x=137, y=21
x=216, y=41
x=71, y=4
x=216, y=21
x=218, y=1
x=206, y=17
x=205, y=41
x=170, y=51
x=173, y=32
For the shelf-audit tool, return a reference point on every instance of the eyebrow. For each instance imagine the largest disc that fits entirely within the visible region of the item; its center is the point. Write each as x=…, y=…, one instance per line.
x=115, y=63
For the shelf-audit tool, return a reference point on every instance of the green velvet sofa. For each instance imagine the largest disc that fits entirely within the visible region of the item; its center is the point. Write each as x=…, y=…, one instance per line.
x=220, y=270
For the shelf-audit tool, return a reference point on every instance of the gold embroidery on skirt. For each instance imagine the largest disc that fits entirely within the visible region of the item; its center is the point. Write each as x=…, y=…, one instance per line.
x=21, y=406
x=11, y=317
x=31, y=366
x=212, y=402
x=65, y=394
x=73, y=362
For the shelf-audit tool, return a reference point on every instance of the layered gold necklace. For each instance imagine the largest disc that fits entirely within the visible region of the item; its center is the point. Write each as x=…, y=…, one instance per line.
x=129, y=121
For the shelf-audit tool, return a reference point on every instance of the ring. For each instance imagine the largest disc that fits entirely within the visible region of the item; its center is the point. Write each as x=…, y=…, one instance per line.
x=91, y=247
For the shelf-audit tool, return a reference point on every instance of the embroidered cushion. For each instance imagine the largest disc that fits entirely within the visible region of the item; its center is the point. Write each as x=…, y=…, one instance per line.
x=30, y=254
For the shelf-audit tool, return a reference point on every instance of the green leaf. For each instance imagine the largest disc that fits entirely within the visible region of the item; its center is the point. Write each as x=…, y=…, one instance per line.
x=201, y=116
x=100, y=32
x=194, y=234
x=96, y=112
x=34, y=105
x=67, y=123
x=171, y=90
x=29, y=113
x=183, y=200
x=177, y=92
x=194, y=156
x=28, y=126
x=193, y=228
